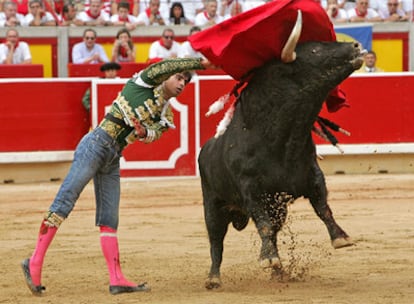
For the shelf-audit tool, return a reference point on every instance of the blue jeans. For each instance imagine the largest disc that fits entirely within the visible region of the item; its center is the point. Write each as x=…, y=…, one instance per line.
x=96, y=156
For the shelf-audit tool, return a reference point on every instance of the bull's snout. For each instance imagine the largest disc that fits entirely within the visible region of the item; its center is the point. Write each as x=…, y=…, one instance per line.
x=359, y=56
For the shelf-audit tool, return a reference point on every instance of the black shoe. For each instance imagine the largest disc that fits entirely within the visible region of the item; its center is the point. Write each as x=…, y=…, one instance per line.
x=123, y=289
x=36, y=290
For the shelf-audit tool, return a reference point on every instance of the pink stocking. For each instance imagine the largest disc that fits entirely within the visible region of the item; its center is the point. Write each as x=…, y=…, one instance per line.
x=46, y=235
x=109, y=245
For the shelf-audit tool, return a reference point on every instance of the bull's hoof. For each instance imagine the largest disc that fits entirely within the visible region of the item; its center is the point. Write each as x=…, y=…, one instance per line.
x=279, y=274
x=273, y=263
x=213, y=283
x=342, y=242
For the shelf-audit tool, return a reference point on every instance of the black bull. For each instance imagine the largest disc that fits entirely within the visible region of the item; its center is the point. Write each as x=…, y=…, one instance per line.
x=267, y=157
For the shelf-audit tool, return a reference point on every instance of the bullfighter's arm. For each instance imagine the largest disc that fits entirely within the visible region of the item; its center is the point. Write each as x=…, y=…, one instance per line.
x=158, y=72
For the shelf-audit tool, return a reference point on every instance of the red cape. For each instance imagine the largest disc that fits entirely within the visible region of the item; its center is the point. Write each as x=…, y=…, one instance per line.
x=250, y=39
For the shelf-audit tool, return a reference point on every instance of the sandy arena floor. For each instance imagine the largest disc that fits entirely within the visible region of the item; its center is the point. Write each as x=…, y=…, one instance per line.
x=163, y=241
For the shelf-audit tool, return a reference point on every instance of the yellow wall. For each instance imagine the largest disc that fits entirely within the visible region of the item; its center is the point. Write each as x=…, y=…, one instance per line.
x=389, y=54
x=42, y=54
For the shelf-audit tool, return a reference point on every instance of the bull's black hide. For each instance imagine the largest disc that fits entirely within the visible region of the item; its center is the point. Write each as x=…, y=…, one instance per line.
x=267, y=157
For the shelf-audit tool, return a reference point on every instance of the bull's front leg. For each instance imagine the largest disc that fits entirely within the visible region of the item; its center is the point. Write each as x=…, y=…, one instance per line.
x=318, y=199
x=269, y=257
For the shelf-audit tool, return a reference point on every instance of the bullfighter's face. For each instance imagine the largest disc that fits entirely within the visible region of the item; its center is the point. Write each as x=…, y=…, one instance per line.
x=174, y=85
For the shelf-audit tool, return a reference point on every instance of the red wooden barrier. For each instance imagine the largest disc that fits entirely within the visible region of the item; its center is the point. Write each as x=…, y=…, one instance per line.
x=47, y=115
x=92, y=70
x=42, y=115
x=21, y=70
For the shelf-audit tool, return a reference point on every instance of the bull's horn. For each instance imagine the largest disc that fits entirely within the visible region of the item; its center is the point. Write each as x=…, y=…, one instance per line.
x=288, y=52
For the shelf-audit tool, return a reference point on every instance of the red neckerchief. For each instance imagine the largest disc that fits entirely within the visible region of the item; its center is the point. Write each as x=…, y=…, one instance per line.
x=148, y=12
x=359, y=14
x=164, y=46
x=59, y=6
x=123, y=52
x=207, y=15
x=22, y=7
x=123, y=19
x=88, y=12
x=15, y=46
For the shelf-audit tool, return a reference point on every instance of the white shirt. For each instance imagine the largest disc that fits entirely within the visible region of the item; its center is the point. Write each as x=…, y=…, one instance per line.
x=202, y=19
x=164, y=7
x=21, y=53
x=246, y=5
x=46, y=18
x=251, y=4
x=143, y=18
x=3, y=19
x=340, y=15
x=188, y=51
x=131, y=18
x=86, y=18
x=80, y=52
x=385, y=13
x=106, y=6
x=158, y=51
x=371, y=13
x=407, y=5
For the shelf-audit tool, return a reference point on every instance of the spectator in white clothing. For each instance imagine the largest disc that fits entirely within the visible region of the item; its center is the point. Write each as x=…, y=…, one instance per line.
x=166, y=47
x=88, y=51
x=151, y=15
x=38, y=16
x=94, y=15
x=186, y=48
x=235, y=8
x=209, y=16
x=393, y=13
x=407, y=7
x=363, y=13
x=251, y=4
x=13, y=51
x=335, y=12
x=68, y=16
x=9, y=16
x=123, y=17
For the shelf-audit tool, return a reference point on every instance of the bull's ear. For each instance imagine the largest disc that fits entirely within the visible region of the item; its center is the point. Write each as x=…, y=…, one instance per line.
x=288, y=52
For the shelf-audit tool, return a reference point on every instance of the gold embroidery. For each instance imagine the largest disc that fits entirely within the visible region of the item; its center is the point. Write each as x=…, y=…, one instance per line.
x=142, y=113
x=110, y=127
x=126, y=109
x=52, y=219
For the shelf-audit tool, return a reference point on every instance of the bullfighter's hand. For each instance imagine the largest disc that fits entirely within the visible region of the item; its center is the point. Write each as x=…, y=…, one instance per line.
x=140, y=129
x=208, y=65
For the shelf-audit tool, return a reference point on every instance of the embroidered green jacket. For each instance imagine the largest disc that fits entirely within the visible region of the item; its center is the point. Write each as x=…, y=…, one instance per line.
x=142, y=99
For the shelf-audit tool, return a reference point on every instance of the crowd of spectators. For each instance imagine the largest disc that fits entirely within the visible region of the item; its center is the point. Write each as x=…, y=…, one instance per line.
x=129, y=14
x=204, y=13
x=342, y=11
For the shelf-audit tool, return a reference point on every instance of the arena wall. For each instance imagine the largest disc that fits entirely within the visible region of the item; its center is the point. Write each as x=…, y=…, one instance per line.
x=43, y=120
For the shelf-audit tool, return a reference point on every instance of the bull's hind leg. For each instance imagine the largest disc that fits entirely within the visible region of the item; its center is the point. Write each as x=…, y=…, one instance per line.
x=318, y=199
x=217, y=224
